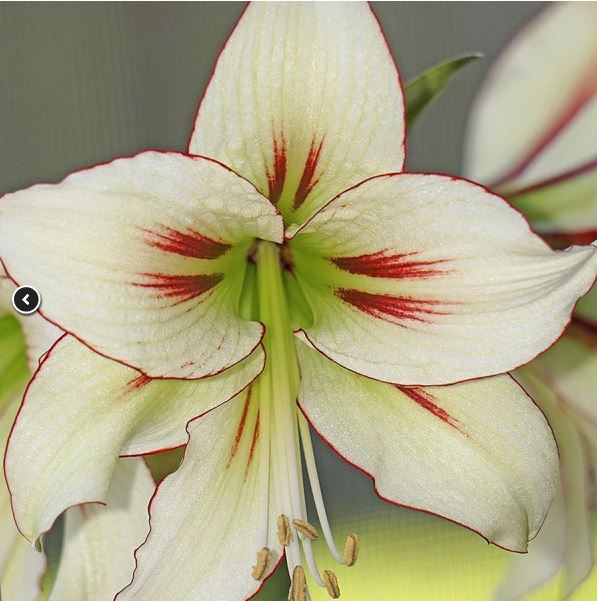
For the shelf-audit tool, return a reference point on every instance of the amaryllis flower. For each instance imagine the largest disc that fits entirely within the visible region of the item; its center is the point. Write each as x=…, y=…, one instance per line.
x=286, y=258
x=533, y=135
x=96, y=543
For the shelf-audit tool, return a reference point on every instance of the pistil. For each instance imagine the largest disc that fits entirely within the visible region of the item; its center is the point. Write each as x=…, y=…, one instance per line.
x=283, y=431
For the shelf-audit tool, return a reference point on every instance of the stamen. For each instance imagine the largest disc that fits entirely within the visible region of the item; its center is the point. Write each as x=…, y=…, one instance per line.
x=351, y=550
x=316, y=488
x=284, y=530
x=298, y=586
x=331, y=584
x=306, y=529
x=262, y=560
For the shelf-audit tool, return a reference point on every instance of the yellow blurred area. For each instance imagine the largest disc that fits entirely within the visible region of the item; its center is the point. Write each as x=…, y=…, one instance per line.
x=408, y=555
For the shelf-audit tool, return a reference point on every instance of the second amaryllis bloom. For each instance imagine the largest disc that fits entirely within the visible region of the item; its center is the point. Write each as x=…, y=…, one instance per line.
x=286, y=258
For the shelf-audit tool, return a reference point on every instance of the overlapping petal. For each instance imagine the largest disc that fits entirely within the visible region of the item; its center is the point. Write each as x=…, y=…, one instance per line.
x=305, y=101
x=143, y=259
x=39, y=334
x=21, y=567
x=211, y=517
x=404, y=285
x=565, y=539
x=97, y=558
x=536, y=115
x=496, y=472
x=570, y=370
x=82, y=410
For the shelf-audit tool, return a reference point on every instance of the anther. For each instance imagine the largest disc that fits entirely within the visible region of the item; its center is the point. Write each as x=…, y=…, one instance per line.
x=351, y=550
x=298, y=586
x=284, y=530
x=261, y=564
x=306, y=529
x=331, y=584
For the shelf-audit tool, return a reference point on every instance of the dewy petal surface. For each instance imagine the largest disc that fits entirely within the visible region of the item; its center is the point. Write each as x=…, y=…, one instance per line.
x=427, y=279
x=536, y=115
x=205, y=517
x=305, y=101
x=112, y=532
x=82, y=410
x=497, y=470
x=143, y=259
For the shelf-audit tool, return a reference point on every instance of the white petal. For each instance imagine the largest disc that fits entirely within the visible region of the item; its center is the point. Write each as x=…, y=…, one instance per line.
x=143, y=259
x=528, y=572
x=205, y=518
x=21, y=566
x=570, y=369
x=305, y=101
x=97, y=558
x=426, y=279
x=478, y=453
x=81, y=411
x=518, y=139
x=566, y=537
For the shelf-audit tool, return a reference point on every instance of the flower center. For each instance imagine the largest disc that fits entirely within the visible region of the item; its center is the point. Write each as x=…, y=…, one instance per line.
x=284, y=431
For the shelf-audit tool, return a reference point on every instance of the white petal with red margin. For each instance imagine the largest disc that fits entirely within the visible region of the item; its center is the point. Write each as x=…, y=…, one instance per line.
x=427, y=279
x=205, y=517
x=305, y=101
x=143, y=259
x=21, y=566
x=478, y=453
x=565, y=540
x=82, y=410
x=536, y=115
x=97, y=558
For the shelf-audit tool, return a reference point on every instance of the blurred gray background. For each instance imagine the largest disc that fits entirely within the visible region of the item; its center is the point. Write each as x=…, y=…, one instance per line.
x=83, y=83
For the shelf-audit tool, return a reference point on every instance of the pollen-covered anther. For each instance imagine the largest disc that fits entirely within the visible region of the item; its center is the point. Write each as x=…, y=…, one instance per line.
x=331, y=584
x=284, y=530
x=351, y=550
x=260, y=566
x=298, y=585
x=306, y=529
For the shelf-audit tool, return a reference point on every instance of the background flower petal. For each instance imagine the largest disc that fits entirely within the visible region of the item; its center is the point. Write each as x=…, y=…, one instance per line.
x=97, y=558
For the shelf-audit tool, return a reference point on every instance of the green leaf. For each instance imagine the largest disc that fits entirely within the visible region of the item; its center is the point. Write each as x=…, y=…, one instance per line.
x=13, y=361
x=52, y=546
x=421, y=90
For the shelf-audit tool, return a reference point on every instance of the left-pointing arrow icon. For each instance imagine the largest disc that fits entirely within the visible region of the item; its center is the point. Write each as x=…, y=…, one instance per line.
x=26, y=300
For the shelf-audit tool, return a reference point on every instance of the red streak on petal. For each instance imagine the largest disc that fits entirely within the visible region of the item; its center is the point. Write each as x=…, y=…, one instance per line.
x=253, y=446
x=138, y=382
x=187, y=244
x=382, y=265
x=308, y=180
x=277, y=176
x=426, y=400
x=579, y=99
x=241, y=427
x=382, y=306
x=181, y=287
